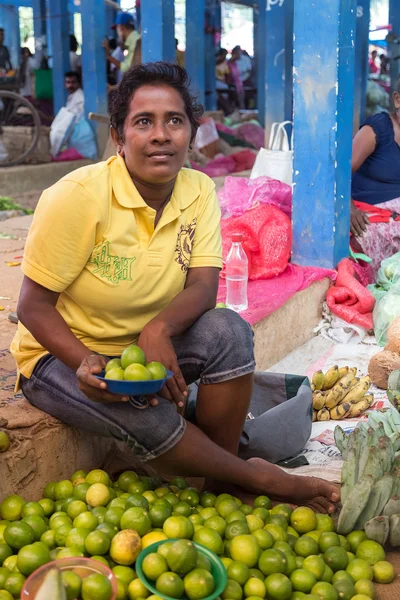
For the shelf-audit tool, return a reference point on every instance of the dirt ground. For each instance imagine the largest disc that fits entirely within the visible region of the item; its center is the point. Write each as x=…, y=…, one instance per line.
x=11, y=252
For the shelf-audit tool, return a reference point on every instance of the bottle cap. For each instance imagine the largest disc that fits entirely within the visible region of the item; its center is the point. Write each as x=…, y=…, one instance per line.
x=237, y=237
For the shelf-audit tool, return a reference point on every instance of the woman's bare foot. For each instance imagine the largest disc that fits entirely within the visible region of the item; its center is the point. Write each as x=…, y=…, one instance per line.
x=317, y=493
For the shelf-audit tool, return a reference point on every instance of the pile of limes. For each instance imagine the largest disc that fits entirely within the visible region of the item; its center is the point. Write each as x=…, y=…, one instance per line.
x=132, y=366
x=272, y=553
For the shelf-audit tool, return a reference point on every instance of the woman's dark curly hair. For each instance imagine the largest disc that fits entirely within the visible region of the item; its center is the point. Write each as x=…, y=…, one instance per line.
x=152, y=74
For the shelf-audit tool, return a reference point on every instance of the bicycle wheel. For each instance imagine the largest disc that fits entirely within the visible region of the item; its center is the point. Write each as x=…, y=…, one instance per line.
x=19, y=128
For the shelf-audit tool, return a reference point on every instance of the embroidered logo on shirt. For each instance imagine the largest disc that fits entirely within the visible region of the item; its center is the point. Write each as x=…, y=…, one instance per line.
x=184, y=245
x=109, y=266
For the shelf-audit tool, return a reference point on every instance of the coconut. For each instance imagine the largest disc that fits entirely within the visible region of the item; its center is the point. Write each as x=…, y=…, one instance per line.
x=381, y=365
x=393, y=344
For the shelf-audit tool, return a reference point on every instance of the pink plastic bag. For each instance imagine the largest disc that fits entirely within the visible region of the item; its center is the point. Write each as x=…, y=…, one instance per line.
x=222, y=165
x=239, y=194
x=267, y=240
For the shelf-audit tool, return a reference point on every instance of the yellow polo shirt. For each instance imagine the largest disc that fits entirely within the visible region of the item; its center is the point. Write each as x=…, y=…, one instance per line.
x=93, y=240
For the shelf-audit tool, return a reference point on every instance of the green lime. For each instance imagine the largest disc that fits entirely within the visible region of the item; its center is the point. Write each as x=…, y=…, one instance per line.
x=355, y=538
x=277, y=531
x=340, y=576
x=198, y=584
x=232, y=591
x=72, y=584
x=238, y=571
x=207, y=499
x=87, y=520
x=18, y=534
x=210, y=539
x=182, y=557
x=32, y=508
x=263, y=502
x=11, y=507
x=263, y=514
x=48, y=506
x=328, y=539
x=278, y=587
x=364, y=586
x=182, y=509
x=324, y=590
x=302, y=580
x=136, y=518
x=303, y=520
x=345, y=589
x=14, y=584
x=170, y=584
x=124, y=574
x=63, y=489
x=272, y=561
x=246, y=549
x=254, y=587
x=306, y=546
x=96, y=587
x=38, y=525
x=154, y=565
x=97, y=543
x=236, y=528
x=217, y=523
x=178, y=527
x=32, y=557
x=190, y=496
x=49, y=538
x=336, y=558
x=370, y=551
x=264, y=539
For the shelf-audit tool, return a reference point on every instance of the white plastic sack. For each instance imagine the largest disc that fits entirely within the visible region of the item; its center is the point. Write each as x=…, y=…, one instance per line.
x=82, y=139
x=60, y=130
x=276, y=161
x=207, y=133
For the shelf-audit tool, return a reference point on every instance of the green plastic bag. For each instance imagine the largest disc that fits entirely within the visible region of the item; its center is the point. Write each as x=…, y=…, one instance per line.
x=385, y=311
x=389, y=272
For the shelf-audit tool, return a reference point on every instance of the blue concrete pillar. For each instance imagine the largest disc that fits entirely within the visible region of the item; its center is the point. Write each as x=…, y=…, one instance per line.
x=39, y=26
x=289, y=16
x=195, y=45
x=111, y=14
x=394, y=20
x=213, y=25
x=94, y=72
x=158, y=30
x=9, y=20
x=323, y=68
x=272, y=41
x=361, y=62
x=58, y=25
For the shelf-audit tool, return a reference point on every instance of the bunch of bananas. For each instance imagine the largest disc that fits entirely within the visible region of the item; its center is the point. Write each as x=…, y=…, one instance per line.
x=340, y=394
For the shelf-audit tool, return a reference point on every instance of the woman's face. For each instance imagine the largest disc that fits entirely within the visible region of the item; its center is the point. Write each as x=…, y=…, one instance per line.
x=157, y=134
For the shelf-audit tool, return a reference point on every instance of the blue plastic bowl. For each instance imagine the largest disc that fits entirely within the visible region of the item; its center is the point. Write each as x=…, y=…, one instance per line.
x=218, y=570
x=134, y=388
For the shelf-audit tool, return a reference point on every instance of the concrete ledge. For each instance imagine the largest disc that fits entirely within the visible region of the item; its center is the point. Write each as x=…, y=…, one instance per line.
x=290, y=326
x=25, y=178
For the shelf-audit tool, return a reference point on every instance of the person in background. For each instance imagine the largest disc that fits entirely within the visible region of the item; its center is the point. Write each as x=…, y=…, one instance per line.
x=245, y=66
x=180, y=55
x=376, y=183
x=384, y=64
x=75, y=60
x=5, y=62
x=222, y=75
x=118, y=53
x=373, y=67
x=235, y=74
x=76, y=99
x=26, y=70
x=130, y=40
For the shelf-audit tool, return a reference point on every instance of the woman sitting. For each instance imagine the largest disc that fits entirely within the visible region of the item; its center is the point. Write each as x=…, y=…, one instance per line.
x=376, y=183
x=129, y=250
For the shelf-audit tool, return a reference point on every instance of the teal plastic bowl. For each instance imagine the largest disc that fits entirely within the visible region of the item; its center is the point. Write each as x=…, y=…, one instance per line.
x=218, y=570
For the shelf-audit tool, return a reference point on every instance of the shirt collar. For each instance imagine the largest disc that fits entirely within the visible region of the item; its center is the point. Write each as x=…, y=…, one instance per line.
x=127, y=195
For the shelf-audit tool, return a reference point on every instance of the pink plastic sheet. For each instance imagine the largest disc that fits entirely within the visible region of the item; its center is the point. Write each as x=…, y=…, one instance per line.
x=267, y=295
x=239, y=194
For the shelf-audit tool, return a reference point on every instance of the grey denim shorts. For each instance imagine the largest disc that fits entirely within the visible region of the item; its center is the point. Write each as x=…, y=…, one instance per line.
x=217, y=348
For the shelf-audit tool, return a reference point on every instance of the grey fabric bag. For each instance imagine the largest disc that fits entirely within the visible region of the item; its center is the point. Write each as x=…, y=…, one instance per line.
x=279, y=420
x=280, y=417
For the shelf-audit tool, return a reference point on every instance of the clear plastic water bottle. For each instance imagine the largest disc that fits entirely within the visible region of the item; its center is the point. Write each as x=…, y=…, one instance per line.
x=237, y=274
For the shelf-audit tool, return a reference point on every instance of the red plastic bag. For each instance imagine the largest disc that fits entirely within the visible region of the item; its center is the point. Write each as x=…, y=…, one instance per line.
x=267, y=240
x=244, y=160
x=349, y=299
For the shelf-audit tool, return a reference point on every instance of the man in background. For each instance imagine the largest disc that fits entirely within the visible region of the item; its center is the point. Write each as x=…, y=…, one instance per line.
x=5, y=63
x=130, y=39
x=76, y=99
